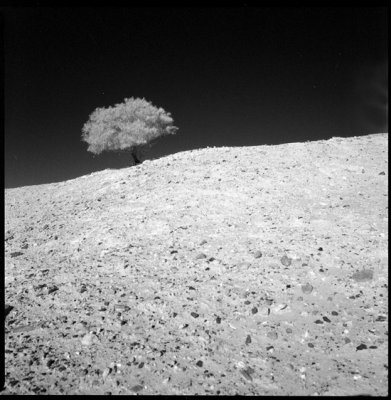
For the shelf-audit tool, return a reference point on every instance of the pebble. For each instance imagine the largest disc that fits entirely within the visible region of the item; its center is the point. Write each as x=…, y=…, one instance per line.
x=16, y=254
x=137, y=388
x=363, y=275
x=248, y=339
x=254, y=310
x=199, y=363
x=326, y=319
x=286, y=261
x=361, y=347
x=307, y=288
x=258, y=254
x=194, y=314
x=272, y=335
x=52, y=289
x=87, y=339
x=121, y=307
x=200, y=256
x=106, y=372
x=7, y=309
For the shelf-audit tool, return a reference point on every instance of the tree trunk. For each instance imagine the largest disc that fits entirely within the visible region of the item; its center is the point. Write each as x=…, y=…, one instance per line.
x=136, y=160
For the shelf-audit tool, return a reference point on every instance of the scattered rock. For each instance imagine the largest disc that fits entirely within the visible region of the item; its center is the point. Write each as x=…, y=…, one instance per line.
x=137, y=388
x=200, y=256
x=272, y=335
x=363, y=275
x=286, y=261
x=194, y=314
x=258, y=254
x=199, y=363
x=7, y=309
x=307, y=288
x=16, y=254
x=248, y=339
x=88, y=339
x=361, y=347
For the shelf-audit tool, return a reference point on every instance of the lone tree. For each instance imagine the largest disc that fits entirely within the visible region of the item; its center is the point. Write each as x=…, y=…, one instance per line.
x=126, y=126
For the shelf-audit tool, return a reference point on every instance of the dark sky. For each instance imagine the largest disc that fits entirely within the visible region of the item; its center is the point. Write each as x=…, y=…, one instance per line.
x=238, y=76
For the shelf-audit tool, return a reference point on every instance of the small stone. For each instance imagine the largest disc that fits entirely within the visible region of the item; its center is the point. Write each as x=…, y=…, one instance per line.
x=82, y=289
x=7, y=309
x=87, y=339
x=334, y=313
x=25, y=246
x=218, y=320
x=16, y=254
x=246, y=374
x=311, y=345
x=363, y=275
x=191, y=288
x=382, y=173
x=258, y=254
x=326, y=319
x=288, y=330
x=248, y=339
x=286, y=261
x=52, y=289
x=200, y=256
x=254, y=310
x=194, y=314
x=381, y=318
x=121, y=308
x=106, y=372
x=320, y=249
x=319, y=322
x=347, y=340
x=272, y=335
x=361, y=347
x=203, y=242
x=199, y=363
x=137, y=388
x=307, y=288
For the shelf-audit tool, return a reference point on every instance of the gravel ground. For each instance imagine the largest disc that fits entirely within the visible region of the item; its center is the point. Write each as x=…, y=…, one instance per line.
x=244, y=270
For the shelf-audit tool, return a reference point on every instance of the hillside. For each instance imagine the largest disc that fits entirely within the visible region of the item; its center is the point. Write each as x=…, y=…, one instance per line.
x=245, y=270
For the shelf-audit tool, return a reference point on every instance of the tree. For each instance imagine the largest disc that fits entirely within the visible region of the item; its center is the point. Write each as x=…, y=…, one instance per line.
x=126, y=126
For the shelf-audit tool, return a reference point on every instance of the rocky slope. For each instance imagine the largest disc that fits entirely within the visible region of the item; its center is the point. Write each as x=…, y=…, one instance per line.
x=248, y=270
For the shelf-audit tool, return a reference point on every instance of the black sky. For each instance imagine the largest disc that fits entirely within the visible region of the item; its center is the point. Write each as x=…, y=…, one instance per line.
x=238, y=76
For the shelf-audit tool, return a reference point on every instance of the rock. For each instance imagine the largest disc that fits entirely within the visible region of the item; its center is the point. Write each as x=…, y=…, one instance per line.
x=258, y=254
x=363, y=275
x=194, y=314
x=88, y=339
x=361, y=347
x=7, y=309
x=137, y=388
x=199, y=363
x=16, y=254
x=286, y=261
x=200, y=256
x=307, y=288
x=272, y=335
x=248, y=339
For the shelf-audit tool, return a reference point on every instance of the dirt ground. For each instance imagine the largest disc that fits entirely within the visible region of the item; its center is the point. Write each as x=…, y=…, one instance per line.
x=244, y=270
